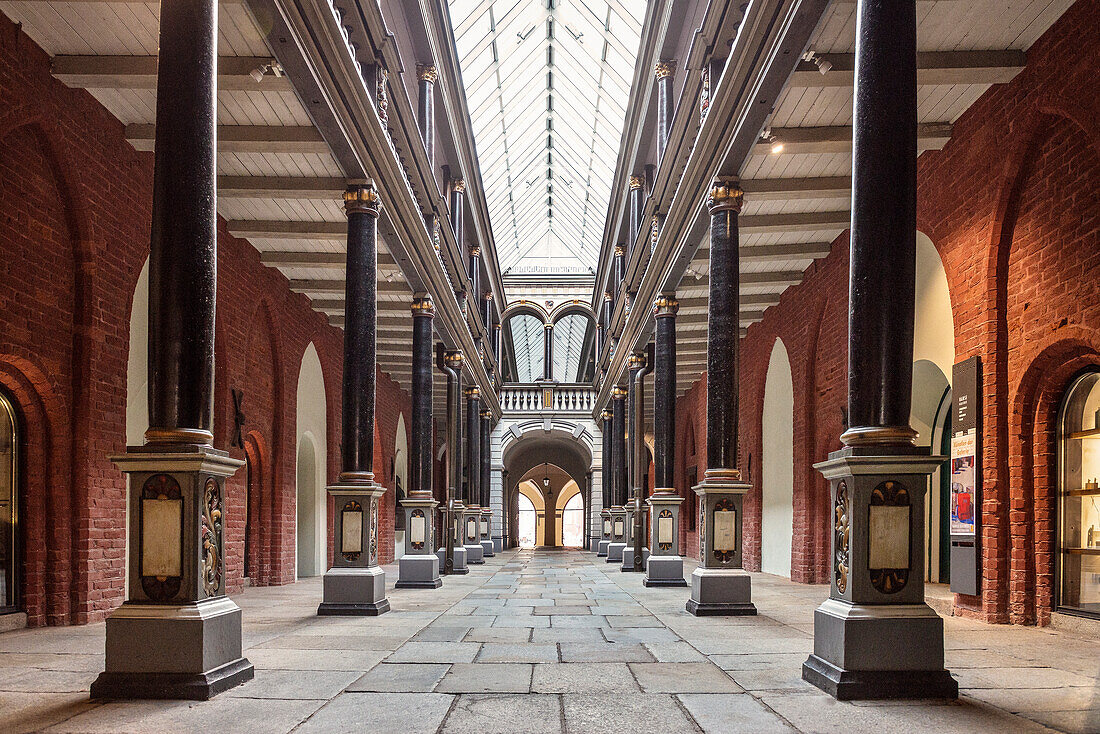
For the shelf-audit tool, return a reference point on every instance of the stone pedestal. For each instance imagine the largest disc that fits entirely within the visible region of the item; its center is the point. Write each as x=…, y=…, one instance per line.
x=720, y=586
x=875, y=637
x=628, y=551
x=618, y=535
x=419, y=566
x=664, y=567
x=459, y=551
x=605, y=534
x=355, y=585
x=471, y=535
x=488, y=551
x=178, y=635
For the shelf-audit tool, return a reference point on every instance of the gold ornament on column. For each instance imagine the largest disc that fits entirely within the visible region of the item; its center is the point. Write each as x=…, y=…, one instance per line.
x=726, y=194
x=427, y=73
x=361, y=199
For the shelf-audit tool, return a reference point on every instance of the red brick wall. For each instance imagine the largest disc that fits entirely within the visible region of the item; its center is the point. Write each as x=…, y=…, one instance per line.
x=1012, y=206
x=74, y=234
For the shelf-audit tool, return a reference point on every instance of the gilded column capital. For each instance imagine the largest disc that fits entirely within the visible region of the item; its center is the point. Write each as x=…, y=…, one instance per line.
x=498, y=327
x=486, y=413
x=663, y=69
x=618, y=393
x=488, y=295
x=606, y=414
x=427, y=73
x=548, y=325
x=635, y=183
x=725, y=194
x=620, y=251
x=361, y=199
x=423, y=306
x=472, y=392
x=475, y=251
x=453, y=360
x=637, y=360
x=665, y=306
x=607, y=296
x=459, y=186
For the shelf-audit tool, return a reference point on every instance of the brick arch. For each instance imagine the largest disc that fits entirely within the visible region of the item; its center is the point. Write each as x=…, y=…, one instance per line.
x=258, y=455
x=1046, y=126
x=48, y=566
x=1033, y=478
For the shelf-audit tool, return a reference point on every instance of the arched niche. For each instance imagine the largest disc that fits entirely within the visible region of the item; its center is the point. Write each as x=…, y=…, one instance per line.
x=400, y=483
x=311, y=443
x=137, y=387
x=777, y=475
x=933, y=359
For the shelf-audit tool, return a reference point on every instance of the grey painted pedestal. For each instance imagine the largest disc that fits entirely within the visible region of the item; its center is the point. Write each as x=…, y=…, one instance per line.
x=628, y=559
x=601, y=548
x=719, y=586
x=875, y=637
x=355, y=585
x=618, y=535
x=178, y=636
x=471, y=535
x=664, y=567
x=487, y=549
x=419, y=567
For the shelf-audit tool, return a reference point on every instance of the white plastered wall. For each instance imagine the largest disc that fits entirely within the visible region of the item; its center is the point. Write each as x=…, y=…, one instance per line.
x=311, y=435
x=777, y=476
x=137, y=386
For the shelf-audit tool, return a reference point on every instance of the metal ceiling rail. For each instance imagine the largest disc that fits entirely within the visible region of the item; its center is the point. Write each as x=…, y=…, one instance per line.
x=312, y=45
x=766, y=50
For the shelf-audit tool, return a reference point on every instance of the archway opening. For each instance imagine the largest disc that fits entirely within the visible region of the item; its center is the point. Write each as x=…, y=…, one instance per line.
x=573, y=353
x=312, y=501
x=10, y=551
x=572, y=522
x=528, y=522
x=307, y=502
x=777, y=486
x=525, y=341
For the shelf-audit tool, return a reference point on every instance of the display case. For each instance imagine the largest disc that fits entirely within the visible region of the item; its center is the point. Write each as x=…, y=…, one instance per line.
x=1079, y=516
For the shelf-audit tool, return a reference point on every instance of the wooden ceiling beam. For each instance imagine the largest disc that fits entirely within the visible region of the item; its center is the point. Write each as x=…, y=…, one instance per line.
x=245, y=138
x=140, y=72
x=933, y=68
x=838, y=139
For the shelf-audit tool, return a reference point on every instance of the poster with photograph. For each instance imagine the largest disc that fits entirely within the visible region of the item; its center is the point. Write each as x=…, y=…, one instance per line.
x=964, y=497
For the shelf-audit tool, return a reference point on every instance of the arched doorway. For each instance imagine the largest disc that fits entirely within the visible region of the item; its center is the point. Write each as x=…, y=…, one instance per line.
x=933, y=359
x=777, y=482
x=307, y=502
x=571, y=534
x=310, y=474
x=528, y=522
x=10, y=550
x=1078, y=568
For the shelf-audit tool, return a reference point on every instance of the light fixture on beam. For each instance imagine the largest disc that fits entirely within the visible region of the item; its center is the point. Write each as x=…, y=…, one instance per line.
x=823, y=65
x=273, y=67
x=775, y=143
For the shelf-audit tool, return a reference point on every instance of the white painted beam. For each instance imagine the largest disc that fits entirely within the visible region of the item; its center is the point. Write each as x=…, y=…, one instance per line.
x=838, y=139
x=280, y=187
x=140, y=72
x=245, y=138
x=933, y=68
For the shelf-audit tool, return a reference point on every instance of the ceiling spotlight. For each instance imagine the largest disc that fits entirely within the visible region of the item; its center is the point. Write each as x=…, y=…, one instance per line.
x=273, y=66
x=776, y=144
x=823, y=65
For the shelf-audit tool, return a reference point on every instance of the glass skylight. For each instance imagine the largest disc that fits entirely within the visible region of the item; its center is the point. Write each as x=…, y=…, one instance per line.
x=547, y=83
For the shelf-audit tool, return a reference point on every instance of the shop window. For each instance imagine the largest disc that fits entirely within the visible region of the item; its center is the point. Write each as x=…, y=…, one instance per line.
x=9, y=507
x=1079, y=518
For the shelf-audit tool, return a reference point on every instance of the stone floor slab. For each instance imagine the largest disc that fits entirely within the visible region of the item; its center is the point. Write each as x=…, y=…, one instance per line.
x=496, y=652
x=355, y=713
x=400, y=678
x=683, y=678
x=607, y=652
x=504, y=714
x=583, y=678
x=487, y=678
x=435, y=652
x=629, y=712
x=732, y=713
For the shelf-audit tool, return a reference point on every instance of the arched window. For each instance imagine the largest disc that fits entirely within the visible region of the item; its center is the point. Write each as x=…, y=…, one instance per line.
x=574, y=354
x=9, y=507
x=572, y=522
x=527, y=522
x=524, y=333
x=1079, y=519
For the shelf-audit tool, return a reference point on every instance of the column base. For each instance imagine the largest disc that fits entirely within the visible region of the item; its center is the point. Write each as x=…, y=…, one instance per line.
x=615, y=552
x=719, y=592
x=418, y=572
x=190, y=652
x=460, y=568
x=628, y=558
x=498, y=544
x=849, y=685
x=877, y=651
x=487, y=548
x=601, y=548
x=354, y=592
x=474, y=553
x=664, y=571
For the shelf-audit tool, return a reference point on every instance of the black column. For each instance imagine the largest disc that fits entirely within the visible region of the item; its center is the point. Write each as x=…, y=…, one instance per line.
x=458, y=198
x=487, y=318
x=425, y=109
x=665, y=105
x=473, y=446
x=635, y=201
x=498, y=336
x=450, y=363
x=608, y=463
x=883, y=235
x=619, y=274
x=183, y=242
x=637, y=362
x=664, y=394
x=618, y=446
x=420, y=448
x=548, y=352
x=357, y=440
x=723, y=325
x=486, y=459
x=474, y=273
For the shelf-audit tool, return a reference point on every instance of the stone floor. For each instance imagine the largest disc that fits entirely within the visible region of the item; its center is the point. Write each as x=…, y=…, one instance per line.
x=551, y=641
